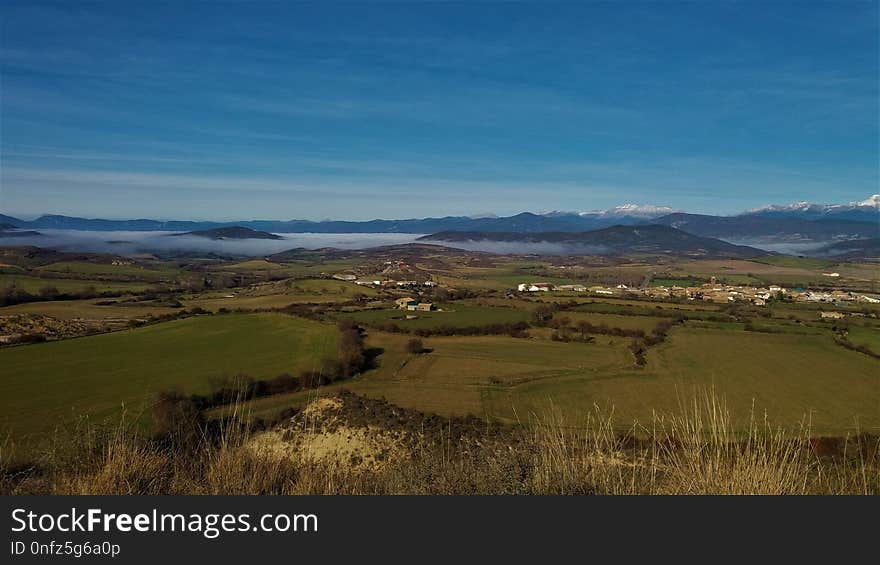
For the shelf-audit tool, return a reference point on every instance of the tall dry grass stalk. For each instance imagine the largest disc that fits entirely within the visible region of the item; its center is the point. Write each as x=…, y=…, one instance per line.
x=698, y=450
x=701, y=451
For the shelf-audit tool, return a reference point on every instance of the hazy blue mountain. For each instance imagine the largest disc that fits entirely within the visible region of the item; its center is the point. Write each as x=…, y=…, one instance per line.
x=867, y=210
x=801, y=220
x=9, y=220
x=234, y=232
x=525, y=222
x=615, y=240
x=769, y=227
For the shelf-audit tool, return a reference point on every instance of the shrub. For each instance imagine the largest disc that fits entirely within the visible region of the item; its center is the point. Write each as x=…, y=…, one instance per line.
x=176, y=419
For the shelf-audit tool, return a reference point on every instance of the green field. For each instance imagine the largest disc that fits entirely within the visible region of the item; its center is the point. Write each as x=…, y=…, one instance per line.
x=106, y=270
x=456, y=315
x=788, y=376
x=498, y=277
x=796, y=262
x=792, y=378
x=294, y=268
x=88, y=309
x=646, y=323
x=42, y=385
x=867, y=336
x=459, y=372
x=279, y=294
x=33, y=285
x=674, y=282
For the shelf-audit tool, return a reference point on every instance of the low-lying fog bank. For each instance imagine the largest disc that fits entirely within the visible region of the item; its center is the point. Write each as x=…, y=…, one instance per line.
x=134, y=242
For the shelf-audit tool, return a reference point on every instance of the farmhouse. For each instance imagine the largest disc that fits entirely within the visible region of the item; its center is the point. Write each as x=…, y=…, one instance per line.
x=831, y=315
x=534, y=287
x=344, y=277
x=414, y=305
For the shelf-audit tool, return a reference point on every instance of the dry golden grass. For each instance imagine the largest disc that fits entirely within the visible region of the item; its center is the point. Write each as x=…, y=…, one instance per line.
x=694, y=451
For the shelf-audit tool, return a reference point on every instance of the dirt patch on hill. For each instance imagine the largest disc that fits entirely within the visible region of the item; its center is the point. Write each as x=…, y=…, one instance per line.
x=351, y=448
x=365, y=433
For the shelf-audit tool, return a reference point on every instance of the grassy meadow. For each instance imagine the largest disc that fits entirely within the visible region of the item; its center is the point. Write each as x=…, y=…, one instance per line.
x=457, y=314
x=788, y=377
x=34, y=285
x=43, y=385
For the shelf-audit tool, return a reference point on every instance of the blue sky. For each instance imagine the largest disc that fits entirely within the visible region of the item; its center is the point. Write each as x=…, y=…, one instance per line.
x=358, y=111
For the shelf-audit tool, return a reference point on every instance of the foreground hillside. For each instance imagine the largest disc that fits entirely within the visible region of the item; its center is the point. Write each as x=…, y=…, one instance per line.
x=345, y=444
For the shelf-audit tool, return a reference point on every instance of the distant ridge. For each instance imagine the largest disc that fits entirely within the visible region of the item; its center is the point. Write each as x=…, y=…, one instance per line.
x=790, y=228
x=616, y=240
x=233, y=232
x=799, y=221
x=863, y=210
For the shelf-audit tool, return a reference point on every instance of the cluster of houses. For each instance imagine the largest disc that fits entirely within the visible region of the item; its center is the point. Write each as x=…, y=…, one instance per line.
x=711, y=292
x=414, y=305
x=384, y=283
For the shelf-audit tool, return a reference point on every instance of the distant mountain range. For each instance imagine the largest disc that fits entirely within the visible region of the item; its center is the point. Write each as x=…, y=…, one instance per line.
x=617, y=240
x=795, y=222
x=863, y=211
x=781, y=228
x=525, y=222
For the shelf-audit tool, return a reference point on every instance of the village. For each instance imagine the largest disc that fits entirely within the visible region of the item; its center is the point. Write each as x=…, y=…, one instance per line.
x=710, y=292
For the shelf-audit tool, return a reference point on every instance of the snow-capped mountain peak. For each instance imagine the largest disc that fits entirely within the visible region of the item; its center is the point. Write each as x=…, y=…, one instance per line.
x=857, y=210
x=801, y=205
x=620, y=211
x=872, y=201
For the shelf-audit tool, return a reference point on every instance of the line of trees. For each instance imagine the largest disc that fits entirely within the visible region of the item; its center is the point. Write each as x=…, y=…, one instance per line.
x=639, y=347
x=841, y=339
x=13, y=294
